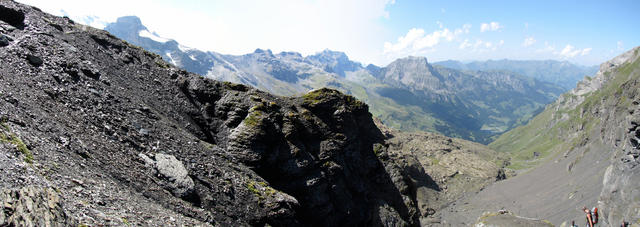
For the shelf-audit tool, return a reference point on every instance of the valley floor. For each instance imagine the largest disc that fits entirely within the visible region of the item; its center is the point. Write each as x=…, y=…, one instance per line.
x=541, y=193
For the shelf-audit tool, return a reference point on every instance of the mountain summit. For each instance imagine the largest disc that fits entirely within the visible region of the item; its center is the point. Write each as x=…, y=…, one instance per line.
x=333, y=62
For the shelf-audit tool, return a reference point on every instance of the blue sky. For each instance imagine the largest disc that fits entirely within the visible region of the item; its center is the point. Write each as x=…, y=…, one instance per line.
x=379, y=31
x=553, y=29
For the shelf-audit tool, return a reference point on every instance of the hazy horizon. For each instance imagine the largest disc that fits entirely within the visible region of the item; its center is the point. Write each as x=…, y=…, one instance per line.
x=378, y=32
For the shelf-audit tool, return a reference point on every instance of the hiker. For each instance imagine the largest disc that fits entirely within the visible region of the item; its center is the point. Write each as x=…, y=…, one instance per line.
x=624, y=224
x=592, y=216
x=573, y=223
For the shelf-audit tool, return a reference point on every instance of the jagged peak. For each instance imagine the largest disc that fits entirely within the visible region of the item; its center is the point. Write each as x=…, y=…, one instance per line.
x=259, y=51
x=413, y=59
x=262, y=52
x=327, y=54
x=290, y=53
x=131, y=21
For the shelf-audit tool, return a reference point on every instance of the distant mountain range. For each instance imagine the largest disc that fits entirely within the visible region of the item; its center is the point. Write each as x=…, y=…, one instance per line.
x=409, y=94
x=562, y=73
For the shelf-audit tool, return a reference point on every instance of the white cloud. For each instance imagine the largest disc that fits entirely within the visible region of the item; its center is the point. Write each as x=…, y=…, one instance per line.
x=465, y=29
x=230, y=27
x=417, y=41
x=481, y=46
x=493, y=46
x=620, y=45
x=528, y=41
x=547, y=48
x=430, y=40
x=465, y=44
x=570, y=51
x=404, y=42
x=492, y=26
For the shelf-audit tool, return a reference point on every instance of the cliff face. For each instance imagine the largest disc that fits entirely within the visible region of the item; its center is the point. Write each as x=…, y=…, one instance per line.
x=620, y=196
x=122, y=137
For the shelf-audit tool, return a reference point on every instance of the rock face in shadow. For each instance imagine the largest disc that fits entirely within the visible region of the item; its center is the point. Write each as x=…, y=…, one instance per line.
x=128, y=139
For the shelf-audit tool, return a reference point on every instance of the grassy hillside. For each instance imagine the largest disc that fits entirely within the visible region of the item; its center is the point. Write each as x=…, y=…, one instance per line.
x=567, y=123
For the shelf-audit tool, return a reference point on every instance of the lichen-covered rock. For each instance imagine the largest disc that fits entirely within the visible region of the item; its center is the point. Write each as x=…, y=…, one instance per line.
x=32, y=206
x=172, y=172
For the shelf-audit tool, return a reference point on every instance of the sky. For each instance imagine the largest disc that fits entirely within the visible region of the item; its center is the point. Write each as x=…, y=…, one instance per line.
x=379, y=31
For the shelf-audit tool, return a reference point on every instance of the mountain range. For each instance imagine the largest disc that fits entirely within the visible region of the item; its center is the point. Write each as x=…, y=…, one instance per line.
x=561, y=73
x=97, y=131
x=408, y=94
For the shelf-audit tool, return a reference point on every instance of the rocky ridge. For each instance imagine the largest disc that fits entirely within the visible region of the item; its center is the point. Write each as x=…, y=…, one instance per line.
x=124, y=138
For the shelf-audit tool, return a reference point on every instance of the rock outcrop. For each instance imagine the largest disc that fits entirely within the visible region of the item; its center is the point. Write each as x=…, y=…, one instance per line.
x=620, y=196
x=128, y=139
x=32, y=206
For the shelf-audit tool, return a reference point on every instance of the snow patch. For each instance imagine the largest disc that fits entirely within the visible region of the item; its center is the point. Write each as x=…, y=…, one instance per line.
x=147, y=34
x=192, y=57
x=184, y=48
x=90, y=20
x=171, y=58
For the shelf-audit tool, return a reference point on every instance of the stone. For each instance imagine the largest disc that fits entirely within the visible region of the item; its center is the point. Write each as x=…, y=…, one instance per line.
x=4, y=41
x=173, y=173
x=12, y=16
x=34, y=60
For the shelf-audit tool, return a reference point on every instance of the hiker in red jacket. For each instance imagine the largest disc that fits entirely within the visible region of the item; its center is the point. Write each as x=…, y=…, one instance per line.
x=592, y=216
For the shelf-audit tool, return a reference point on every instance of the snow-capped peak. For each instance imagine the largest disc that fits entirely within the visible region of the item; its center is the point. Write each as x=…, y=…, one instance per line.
x=153, y=36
